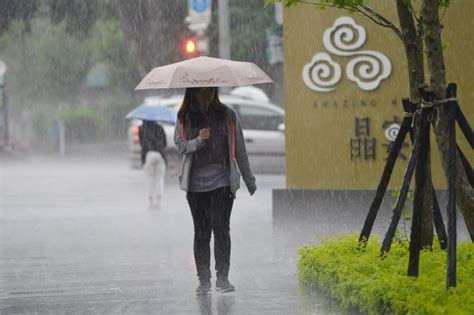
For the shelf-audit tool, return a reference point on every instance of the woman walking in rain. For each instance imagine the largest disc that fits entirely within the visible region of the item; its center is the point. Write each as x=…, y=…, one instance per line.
x=209, y=135
x=153, y=142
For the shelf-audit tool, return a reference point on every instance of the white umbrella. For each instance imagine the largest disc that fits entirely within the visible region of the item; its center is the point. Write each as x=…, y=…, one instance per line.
x=203, y=72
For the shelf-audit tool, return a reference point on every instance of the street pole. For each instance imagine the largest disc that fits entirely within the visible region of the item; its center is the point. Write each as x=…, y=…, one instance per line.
x=224, y=29
x=198, y=19
x=5, y=117
x=3, y=104
x=276, y=48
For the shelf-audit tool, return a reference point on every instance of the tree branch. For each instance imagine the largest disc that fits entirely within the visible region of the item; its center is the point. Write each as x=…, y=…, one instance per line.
x=383, y=19
x=315, y=3
x=363, y=9
x=418, y=20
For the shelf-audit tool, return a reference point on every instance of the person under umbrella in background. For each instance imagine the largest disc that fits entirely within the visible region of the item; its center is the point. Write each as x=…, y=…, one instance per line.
x=153, y=143
x=210, y=136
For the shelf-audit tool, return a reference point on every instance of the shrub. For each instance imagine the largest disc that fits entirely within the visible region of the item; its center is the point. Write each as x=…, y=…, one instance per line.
x=114, y=124
x=361, y=279
x=42, y=122
x=81, y=124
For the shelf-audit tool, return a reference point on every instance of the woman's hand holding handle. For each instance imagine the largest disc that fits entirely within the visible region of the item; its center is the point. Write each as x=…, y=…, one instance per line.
x=205, y=133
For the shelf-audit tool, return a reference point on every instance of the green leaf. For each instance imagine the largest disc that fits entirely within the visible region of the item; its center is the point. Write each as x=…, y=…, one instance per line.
x=444, y=3
x=291, y=3
x=445, y=45
x=271, y=2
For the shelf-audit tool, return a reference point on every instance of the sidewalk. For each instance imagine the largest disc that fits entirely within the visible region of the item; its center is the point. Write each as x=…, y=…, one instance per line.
x=77, y=237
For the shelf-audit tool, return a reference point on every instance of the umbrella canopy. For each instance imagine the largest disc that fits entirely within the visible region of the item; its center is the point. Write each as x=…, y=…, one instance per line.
x=153, y=113
x=203, y=72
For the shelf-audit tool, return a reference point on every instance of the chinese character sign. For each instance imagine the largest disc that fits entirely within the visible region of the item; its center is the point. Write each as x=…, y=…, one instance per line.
x=363, y=146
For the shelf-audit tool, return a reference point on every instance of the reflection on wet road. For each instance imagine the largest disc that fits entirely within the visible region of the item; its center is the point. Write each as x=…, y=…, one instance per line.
x=77, y=237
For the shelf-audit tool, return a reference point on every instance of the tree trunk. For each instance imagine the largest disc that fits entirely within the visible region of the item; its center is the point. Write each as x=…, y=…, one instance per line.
x=436, y=66
x=413, y=48
x=414, y=51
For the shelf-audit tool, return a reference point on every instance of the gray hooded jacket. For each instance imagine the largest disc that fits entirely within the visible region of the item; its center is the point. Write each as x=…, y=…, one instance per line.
x=237, y=152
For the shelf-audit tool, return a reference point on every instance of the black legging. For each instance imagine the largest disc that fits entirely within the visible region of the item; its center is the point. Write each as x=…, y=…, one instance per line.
x=211, y=213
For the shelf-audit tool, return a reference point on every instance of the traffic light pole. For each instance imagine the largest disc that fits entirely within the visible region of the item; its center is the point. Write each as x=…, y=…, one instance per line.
x=224, y=29
x=198, y=19
x=5, y=118
x=3, y=106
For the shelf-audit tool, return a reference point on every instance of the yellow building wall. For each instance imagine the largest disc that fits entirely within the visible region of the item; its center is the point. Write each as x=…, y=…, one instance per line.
x=320, y=126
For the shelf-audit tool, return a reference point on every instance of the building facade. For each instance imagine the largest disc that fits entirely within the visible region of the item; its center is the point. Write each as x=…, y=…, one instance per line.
x=345, y=77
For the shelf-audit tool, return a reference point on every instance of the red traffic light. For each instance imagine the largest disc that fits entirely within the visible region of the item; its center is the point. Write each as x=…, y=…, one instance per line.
x=189, y=47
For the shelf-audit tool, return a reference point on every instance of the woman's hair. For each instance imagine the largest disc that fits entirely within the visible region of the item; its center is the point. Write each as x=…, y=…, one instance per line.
x=191, y=106
x=151, y=131
x=148, y=123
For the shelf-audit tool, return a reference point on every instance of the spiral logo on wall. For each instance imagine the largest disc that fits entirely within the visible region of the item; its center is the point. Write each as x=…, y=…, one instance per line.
x=367, y=68
x=322, y=73
x=391, y=132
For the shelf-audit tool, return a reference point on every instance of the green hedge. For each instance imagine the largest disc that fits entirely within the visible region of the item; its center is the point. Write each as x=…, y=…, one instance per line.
x=81, y=123
x=362, y=280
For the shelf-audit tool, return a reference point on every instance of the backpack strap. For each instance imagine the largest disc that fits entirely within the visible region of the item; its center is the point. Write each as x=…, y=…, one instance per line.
x=232, y=125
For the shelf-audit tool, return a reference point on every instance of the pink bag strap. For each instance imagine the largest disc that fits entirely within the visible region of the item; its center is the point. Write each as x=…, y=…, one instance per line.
x=232, y=136
x=182, y=133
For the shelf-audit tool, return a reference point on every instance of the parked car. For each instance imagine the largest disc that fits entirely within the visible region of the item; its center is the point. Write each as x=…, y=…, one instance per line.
x=262, y=123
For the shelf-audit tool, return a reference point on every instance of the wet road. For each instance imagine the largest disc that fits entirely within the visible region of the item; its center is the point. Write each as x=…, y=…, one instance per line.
x=77, y=237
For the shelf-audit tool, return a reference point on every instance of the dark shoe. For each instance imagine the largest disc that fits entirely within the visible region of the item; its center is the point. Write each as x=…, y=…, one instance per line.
x=223, y=285
x=204, y=287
